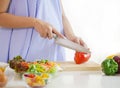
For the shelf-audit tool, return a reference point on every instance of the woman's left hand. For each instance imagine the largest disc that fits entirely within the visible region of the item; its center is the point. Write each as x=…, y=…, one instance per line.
x=79, y=41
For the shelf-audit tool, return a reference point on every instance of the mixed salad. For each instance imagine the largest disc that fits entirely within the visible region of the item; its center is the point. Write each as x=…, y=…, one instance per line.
x=35, y=73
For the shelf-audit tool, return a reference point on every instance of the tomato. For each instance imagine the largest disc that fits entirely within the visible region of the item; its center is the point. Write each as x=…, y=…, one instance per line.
x=81, y=57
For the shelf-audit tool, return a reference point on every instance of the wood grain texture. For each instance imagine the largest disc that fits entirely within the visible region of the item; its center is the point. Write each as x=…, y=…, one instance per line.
x=72, y=66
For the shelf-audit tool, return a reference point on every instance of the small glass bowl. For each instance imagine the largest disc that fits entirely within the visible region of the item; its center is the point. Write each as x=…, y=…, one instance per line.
x=36, y=81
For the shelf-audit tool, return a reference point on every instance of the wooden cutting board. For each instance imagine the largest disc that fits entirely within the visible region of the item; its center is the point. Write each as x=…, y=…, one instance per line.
x=88, y=66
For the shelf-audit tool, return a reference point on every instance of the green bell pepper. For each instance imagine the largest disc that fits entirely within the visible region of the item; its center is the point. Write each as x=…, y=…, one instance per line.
x=109, y=67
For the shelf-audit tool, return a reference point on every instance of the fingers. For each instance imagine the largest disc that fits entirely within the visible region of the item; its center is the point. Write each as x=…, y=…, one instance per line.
x=80, y=41
x=50, y=34
x=77, y=40
x=83, y=43
x=46, y=30
x=57, y=33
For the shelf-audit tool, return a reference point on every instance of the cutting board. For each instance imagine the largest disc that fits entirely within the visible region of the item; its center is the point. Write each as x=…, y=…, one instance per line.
x=71, y=66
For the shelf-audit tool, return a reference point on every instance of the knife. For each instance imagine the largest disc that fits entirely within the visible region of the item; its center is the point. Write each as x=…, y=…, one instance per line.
x=69, y=44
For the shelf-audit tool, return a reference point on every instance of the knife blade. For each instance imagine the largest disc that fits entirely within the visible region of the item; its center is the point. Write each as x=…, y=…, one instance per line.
x=69, y=44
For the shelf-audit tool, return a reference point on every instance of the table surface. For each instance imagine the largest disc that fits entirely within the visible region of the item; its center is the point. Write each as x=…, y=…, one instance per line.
x=76, y=79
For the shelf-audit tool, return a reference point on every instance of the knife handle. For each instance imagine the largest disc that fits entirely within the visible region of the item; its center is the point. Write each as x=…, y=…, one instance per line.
x=54, y=36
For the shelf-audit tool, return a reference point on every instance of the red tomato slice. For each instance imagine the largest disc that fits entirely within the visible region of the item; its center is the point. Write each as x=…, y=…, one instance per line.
x=81, y=57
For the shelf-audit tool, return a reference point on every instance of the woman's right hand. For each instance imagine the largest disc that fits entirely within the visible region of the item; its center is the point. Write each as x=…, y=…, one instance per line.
x=45, y=29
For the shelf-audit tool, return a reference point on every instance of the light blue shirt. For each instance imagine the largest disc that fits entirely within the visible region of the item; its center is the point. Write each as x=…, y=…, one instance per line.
x=27, y=42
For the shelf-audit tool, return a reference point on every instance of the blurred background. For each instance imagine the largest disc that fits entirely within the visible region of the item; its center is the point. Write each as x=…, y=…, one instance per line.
x=97, y=22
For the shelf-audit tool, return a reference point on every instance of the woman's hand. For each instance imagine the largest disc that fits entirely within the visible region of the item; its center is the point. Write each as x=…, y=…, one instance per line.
x=78, y=40
x=45, y=29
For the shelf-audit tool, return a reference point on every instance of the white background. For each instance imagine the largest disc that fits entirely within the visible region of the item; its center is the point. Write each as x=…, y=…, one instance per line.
x=97, y=22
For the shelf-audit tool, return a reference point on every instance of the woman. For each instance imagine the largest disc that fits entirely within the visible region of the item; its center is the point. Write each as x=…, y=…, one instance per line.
x=27, y=28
